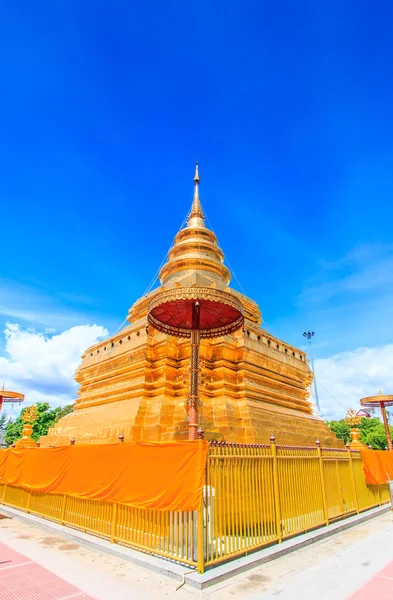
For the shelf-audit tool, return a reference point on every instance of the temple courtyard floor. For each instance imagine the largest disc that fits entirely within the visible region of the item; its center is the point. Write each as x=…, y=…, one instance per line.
x=39, y=561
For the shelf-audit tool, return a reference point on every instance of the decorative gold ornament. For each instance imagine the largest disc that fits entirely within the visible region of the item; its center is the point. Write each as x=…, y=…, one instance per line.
x=353, y=419
x=29, y=417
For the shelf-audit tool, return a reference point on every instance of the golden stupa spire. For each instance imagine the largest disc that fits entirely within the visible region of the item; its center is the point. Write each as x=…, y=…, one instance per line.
x=195, y=257
x=196, y=208
x=196, y=176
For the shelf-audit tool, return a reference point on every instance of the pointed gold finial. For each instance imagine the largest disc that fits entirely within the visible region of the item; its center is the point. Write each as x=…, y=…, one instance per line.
x=196, y=208
x=196, y=176
x=380, y=392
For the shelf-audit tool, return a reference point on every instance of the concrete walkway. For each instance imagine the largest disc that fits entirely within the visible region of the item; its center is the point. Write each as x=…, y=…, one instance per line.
x=356, y=561
x=362, y=571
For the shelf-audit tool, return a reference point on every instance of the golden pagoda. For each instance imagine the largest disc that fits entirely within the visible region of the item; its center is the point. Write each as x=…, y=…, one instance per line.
x=135, y=384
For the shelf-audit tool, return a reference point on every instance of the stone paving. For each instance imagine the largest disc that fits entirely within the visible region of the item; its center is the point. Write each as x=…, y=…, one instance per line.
x=23, y=579
x=379, y=587
x=357, y=561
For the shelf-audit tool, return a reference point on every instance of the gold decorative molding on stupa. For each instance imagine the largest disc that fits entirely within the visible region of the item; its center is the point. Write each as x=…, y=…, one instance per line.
x=136, y=383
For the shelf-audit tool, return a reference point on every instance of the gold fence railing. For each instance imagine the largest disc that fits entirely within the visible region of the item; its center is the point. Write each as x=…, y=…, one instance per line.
x=254, y=495
x=259, y=494
x=168, y=534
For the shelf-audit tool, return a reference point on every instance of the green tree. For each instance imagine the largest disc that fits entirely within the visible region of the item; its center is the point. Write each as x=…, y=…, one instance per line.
x=13, y=431
x=46, y=418
x=372, y=433
x=3, y=423
x=371, y=430
x=341, y=429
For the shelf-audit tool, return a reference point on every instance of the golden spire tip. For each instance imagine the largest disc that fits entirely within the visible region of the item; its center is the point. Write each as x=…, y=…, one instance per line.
x=196, y=209
x=196, y=176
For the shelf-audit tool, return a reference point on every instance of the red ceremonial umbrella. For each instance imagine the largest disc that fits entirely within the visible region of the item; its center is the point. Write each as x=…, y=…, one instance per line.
x=380, y=401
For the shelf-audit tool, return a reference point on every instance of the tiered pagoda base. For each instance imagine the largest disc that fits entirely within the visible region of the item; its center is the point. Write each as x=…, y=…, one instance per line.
x=253, y=386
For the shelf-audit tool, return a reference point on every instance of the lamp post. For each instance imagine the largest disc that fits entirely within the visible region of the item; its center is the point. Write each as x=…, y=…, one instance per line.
x=309, y=335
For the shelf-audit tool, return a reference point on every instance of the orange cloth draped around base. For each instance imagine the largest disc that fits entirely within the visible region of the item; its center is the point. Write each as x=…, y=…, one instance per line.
x=377, y=466
x=157, y=475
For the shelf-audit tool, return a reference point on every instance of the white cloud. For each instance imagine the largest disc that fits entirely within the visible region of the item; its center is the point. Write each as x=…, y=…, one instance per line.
x=42, y=365
x=349, y=376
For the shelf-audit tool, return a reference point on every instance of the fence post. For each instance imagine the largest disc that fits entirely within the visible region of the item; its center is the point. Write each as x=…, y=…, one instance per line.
x=323, y=486
x=277, y=505
x=200, y=534
x=355, y=496
x=113, y=523
x=63, y=508
x=28, y=502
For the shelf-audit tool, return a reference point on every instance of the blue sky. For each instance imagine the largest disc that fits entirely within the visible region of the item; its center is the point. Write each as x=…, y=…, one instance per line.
x=288, y=108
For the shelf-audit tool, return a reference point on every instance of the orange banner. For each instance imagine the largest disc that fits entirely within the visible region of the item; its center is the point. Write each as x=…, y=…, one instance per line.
x=377, y=466
x=158, y=475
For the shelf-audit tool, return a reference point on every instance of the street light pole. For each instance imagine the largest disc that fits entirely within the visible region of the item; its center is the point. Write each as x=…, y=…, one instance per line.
x=309, y=335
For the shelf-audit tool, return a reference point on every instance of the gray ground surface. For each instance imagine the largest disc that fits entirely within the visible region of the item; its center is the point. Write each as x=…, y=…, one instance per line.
x=330, y=569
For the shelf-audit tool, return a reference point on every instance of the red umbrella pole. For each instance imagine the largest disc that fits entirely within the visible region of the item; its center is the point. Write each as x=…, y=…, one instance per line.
x=194, y=379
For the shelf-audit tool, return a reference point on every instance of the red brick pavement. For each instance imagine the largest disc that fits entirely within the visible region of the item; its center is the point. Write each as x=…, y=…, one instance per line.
x=379, y=587
x=23, y=579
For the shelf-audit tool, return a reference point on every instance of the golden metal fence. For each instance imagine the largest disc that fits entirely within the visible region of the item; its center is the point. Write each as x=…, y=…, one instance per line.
x=254, y=495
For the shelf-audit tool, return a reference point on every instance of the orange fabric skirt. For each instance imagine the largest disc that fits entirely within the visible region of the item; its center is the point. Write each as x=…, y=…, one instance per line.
x=157, y=475
x=377, y=465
